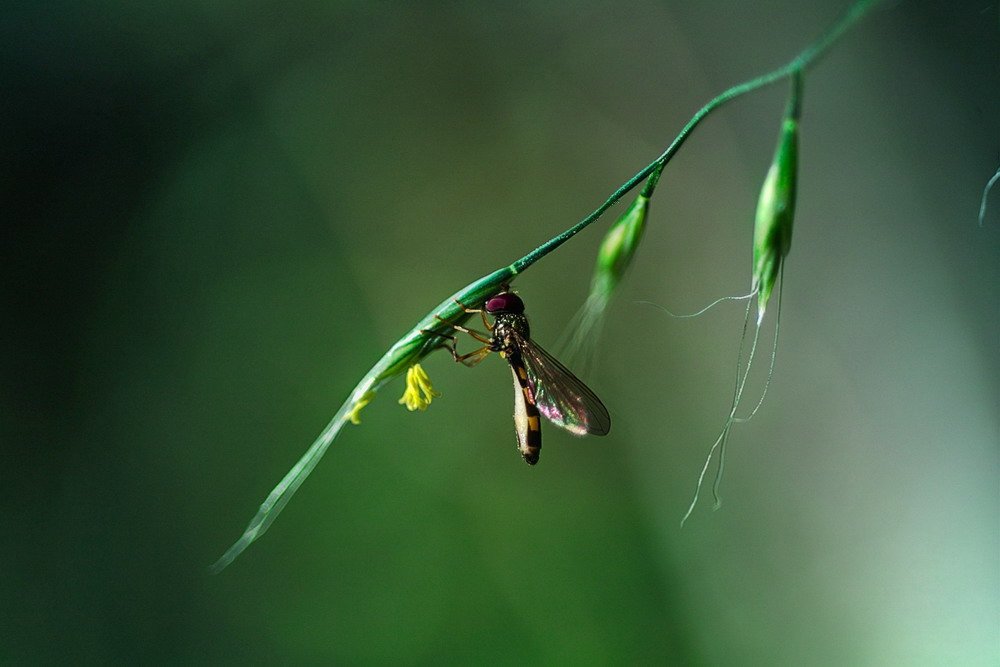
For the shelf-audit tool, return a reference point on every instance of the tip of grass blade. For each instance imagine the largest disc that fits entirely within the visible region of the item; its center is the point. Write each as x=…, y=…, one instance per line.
x=289, y=484
x=986, y=192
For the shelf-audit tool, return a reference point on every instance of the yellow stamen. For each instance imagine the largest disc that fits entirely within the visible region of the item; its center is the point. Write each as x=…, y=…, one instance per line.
x=419, y=391
x=365, y=399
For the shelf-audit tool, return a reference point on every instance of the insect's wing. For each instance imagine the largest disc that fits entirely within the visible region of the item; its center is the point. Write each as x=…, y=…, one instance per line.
x=526, y=420
x=561, y=396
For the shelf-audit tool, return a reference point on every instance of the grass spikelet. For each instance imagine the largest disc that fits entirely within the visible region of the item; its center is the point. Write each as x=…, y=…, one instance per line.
x=772, y=234
x=614, y=257
x=771, y=242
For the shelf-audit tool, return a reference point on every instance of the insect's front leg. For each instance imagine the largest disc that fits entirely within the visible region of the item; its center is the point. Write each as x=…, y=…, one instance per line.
x=482, y=313
x=481, y=337
x=470, y=359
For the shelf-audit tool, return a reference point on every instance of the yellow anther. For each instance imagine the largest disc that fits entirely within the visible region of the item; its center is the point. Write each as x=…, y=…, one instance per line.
x=419, y=391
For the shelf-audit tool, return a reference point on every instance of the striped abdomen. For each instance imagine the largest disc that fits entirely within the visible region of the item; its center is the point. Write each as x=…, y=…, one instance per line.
x=527, y=421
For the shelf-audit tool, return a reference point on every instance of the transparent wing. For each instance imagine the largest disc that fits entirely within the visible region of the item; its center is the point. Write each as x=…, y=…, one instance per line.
x=561, y=396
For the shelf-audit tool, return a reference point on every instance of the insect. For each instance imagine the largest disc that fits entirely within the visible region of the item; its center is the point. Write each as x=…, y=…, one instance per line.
x=541, y=383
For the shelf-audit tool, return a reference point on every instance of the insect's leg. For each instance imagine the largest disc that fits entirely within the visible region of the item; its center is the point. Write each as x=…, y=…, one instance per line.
x=482, y=313
x=473, y=358
x=453, y=339
x=481, y=337
x=470, y=359
x=475, y=334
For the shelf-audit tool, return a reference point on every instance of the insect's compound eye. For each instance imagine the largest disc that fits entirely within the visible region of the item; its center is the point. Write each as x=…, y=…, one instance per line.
x=505, y=302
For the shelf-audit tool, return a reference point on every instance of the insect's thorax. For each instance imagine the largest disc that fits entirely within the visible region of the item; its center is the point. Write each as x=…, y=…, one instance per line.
x=506, y=329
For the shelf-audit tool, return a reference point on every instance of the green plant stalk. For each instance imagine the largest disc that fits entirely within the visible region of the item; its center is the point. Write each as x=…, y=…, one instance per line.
x=425, y=337
x=428, y=333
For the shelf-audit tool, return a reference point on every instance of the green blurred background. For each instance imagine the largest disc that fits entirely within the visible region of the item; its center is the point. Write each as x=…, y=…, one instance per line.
x=218, y=215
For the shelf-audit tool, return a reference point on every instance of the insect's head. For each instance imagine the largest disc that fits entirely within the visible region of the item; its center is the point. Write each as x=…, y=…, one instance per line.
x=505, y=302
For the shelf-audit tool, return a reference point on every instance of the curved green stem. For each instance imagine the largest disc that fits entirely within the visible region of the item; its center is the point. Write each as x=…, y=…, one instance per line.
x=805, y=59
x=430, y=332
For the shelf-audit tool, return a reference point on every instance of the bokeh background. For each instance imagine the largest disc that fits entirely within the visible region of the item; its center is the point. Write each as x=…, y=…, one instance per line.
x=218, y=215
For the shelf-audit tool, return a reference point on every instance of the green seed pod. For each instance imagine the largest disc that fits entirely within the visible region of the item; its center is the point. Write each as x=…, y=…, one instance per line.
x=620, y=244
x=614, y=256
x=618, y=248
x=772, y=235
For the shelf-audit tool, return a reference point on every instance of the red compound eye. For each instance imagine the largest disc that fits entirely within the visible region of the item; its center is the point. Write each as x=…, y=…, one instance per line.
x=505, y=302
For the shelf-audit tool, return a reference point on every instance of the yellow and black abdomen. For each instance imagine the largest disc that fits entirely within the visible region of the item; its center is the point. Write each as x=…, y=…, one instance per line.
x=507, y=331
x=527, y=421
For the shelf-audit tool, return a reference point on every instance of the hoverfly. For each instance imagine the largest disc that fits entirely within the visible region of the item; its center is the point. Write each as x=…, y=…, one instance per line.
x=541, y=384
